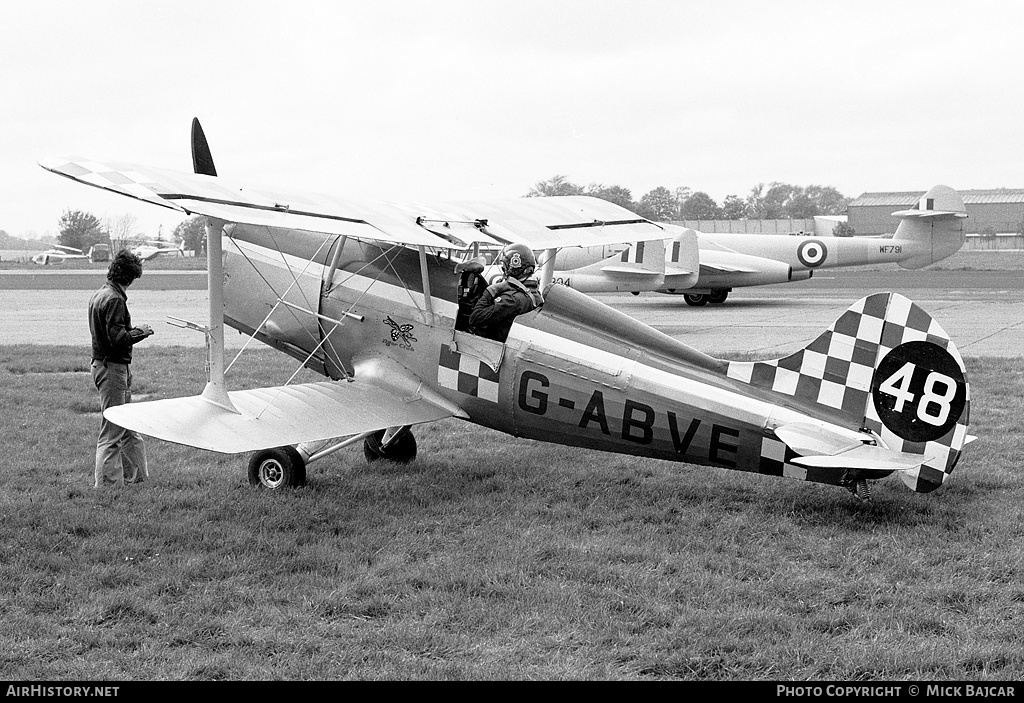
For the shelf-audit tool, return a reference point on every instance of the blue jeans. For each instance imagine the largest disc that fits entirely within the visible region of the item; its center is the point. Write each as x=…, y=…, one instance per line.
x=120, y=453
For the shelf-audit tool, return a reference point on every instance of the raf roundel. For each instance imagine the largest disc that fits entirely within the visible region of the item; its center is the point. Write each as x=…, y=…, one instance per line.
x=812, y=253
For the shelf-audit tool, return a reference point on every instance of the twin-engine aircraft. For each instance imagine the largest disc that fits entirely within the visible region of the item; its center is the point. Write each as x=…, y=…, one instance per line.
x=704, y=267
x=366, y=295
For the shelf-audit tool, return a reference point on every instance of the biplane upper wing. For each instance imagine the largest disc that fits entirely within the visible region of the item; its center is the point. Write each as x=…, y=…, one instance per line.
x=216, y=197
x=281, y=415
x=540, y=223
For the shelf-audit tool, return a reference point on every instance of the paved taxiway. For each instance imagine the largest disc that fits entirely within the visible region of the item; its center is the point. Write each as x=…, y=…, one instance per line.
x=983, y=311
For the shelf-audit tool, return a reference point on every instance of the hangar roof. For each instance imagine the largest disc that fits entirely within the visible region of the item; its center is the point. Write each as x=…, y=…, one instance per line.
x=971, y=197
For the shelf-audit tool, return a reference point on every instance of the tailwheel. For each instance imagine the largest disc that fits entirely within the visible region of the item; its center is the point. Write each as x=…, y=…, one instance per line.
x=401, y=449
x=695, y=299
x=717, y=297
x=277, y=468
x=861, y=489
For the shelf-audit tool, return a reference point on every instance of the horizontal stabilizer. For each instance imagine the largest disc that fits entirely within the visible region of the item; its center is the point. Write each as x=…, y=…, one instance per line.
x=625, y=270
x=866, y=456
x=826, y=448
x=279, y=416
x=940, y=201
x=808, y=439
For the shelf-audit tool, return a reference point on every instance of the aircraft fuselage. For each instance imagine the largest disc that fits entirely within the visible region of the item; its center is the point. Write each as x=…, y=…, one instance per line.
x=575, y=372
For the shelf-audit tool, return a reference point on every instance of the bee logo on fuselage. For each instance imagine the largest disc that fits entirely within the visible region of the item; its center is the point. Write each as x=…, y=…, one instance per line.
x=401, y=335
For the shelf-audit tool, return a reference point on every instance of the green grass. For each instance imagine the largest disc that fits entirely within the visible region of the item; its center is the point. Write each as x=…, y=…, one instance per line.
x=490, y=557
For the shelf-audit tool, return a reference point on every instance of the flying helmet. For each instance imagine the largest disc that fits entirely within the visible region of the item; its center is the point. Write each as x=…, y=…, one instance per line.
x=517, y=261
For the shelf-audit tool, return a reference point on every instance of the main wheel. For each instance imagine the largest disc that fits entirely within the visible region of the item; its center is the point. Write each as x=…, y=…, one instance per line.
x=280, y=467
x=717, y=297
x=402, y=450
x=695, y=299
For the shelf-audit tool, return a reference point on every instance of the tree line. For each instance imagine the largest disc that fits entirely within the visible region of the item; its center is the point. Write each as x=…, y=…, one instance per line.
x=775, y=201
x=81, y=230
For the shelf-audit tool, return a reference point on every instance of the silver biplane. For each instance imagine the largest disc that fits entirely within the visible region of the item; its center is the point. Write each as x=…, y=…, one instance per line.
x=366, y=295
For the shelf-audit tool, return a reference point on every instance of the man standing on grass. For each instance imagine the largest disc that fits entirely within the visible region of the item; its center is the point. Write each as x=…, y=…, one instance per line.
x=120, y=453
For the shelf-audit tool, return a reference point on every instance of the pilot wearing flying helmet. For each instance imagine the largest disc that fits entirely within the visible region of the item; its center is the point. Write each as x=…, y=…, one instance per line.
x=502, y=301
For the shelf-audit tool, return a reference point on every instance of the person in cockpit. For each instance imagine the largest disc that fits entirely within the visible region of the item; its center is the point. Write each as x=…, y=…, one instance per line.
x=516, y=293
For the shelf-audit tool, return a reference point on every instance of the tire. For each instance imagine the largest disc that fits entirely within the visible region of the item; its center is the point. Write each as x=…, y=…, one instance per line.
x=277, y=468
x=717, y=297
x=401, y=451
x=695, y=299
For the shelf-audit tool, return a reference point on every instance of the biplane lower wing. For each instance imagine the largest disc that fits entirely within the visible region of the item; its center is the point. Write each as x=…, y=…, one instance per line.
x=279, y=416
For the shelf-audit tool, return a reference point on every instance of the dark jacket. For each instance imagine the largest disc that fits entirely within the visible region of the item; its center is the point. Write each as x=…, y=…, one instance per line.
x=111, y=325
x=499, y=305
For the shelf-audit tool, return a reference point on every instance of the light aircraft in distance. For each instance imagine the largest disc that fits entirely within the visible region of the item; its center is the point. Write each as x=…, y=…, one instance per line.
x=58, y=254
x=365, y=293
x=151, y=250
x=930, y=231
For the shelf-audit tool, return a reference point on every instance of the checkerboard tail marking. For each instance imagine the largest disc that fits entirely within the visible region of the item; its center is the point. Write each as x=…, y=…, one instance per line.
x=888, y=365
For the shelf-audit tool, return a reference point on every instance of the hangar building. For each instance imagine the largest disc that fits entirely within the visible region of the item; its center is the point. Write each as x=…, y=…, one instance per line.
x=989, y=212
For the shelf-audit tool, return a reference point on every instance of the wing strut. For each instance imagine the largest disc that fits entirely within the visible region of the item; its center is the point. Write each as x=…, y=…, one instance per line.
x=216, y=391
x=428, y=302
x=547, y=272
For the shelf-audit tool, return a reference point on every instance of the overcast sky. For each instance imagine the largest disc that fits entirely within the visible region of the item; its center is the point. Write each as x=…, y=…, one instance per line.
x=448, y=100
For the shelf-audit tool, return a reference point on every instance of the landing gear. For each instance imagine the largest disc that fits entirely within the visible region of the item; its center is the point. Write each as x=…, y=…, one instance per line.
x=277, y=468
x=400, y=449
x=715, y=297
x=859, y=487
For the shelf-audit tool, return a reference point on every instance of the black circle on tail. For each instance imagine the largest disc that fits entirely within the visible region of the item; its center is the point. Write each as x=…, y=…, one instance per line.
x=919, y=391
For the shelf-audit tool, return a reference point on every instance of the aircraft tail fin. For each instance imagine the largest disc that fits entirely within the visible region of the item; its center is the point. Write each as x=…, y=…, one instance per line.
x=638, y=267
x=682, y=260
x=887, y=365
x=202, y=159
x=936, y=220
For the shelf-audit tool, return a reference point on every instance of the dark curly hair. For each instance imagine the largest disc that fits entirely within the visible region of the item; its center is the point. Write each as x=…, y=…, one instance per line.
x=124, y=268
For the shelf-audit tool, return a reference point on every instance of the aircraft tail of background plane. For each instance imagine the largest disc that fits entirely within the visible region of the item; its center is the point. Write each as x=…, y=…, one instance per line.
x=638, y=267
x=936, y=220
x=888, y=367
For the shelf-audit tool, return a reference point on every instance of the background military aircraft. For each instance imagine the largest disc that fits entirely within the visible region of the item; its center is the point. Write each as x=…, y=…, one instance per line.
x=929, y=232
x=366, y=295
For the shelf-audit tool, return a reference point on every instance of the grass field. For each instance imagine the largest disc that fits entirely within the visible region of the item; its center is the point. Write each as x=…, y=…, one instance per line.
x=490, y=557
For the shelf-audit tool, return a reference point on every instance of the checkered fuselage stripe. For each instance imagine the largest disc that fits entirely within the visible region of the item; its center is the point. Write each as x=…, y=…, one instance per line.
x=466, y=374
